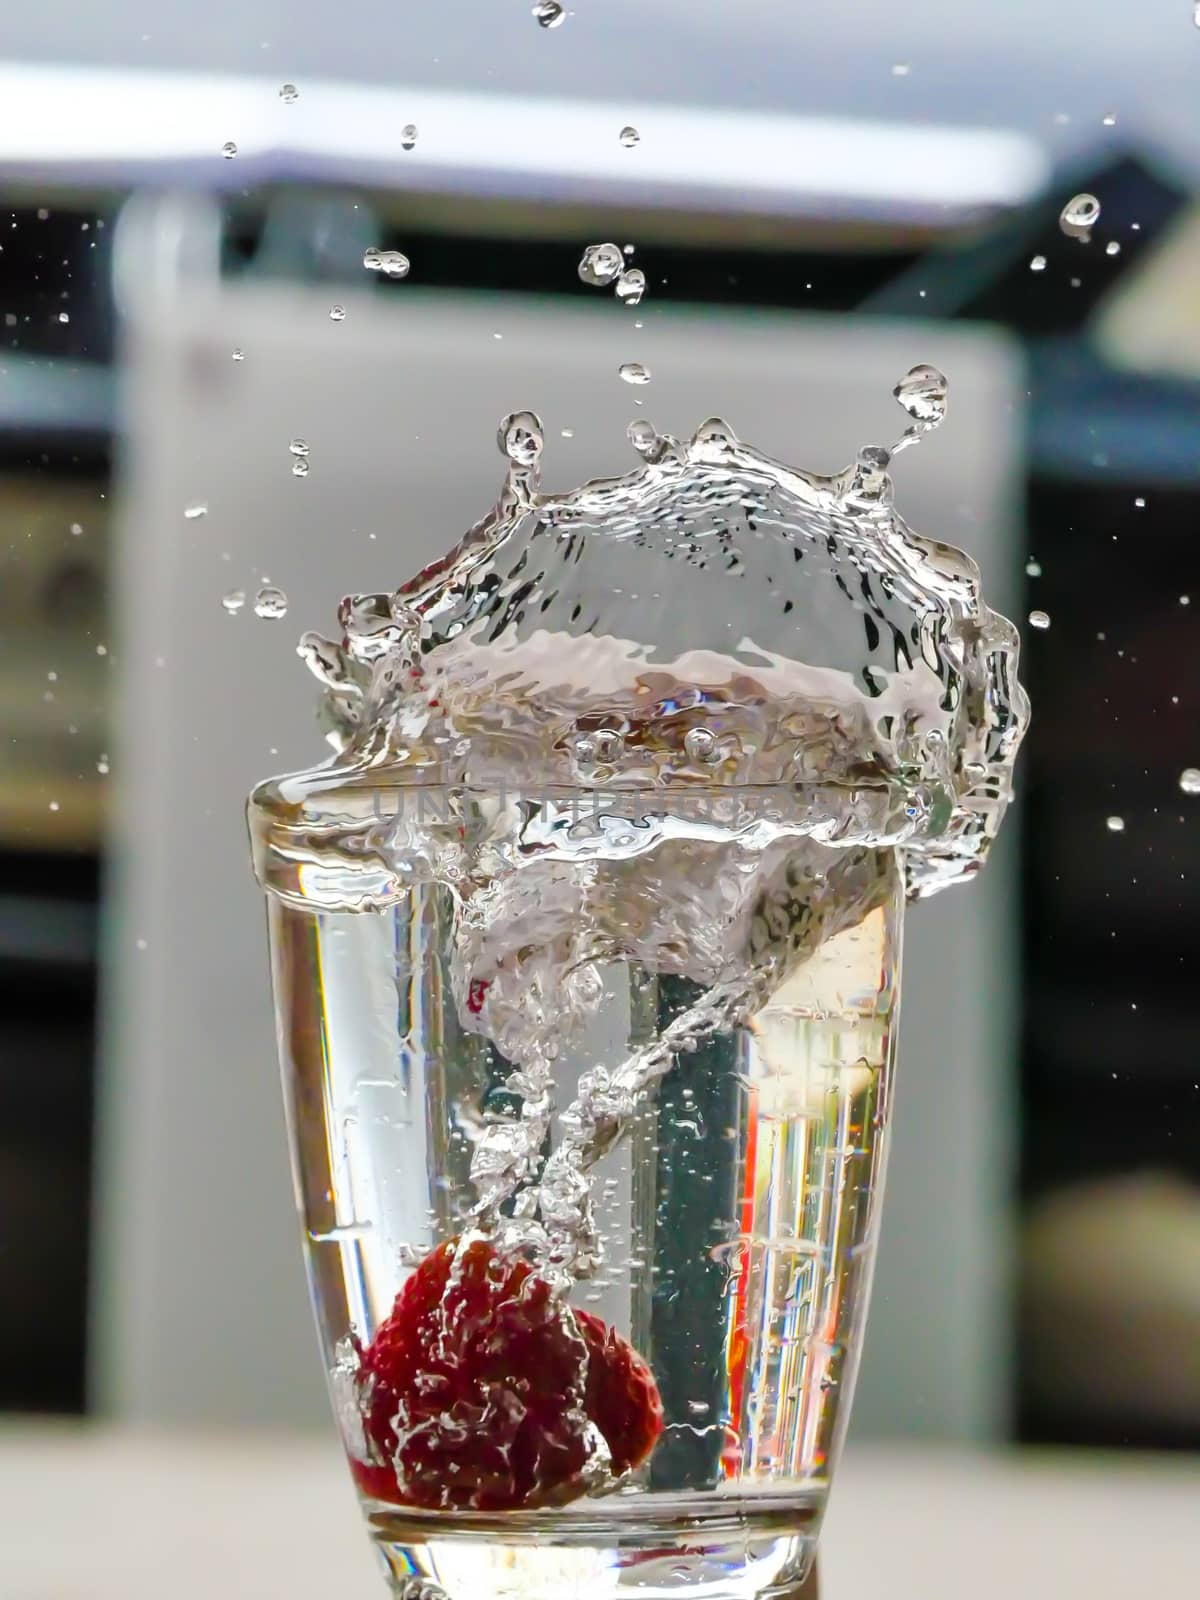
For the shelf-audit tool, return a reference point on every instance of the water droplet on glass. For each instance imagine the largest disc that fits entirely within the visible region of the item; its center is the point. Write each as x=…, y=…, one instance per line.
x=239, y=355
x=922, y=393
x=1189, y=778
x=229, y=149
x=337, y=313
x=600, y=264
x=629, y=136
x=392, y=263
x=631, y=286
x=701, y=745
x=1115, y=824
x=643, y=436
x=1039, y=619
x=289, y=93
x=548, y=13
x=1112, y=248
x=234, y=601
x=634, y=372
x=198, y=508
x=408, y=136
x=520, y=437
x=270, y=603
x=1033, y=569
x=1038, y=264
x=1079, y=216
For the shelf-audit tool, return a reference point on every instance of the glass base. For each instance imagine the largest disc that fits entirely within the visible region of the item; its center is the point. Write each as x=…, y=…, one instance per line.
x=668, y=1553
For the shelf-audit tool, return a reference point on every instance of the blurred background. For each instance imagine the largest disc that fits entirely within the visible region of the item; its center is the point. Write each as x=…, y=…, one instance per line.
x=819, y=197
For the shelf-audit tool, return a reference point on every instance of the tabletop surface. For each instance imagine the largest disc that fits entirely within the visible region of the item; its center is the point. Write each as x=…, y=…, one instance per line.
x=97, y=1513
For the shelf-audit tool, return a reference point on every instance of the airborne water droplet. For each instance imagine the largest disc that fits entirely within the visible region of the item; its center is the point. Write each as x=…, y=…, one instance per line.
x=198, y=508
x=643, y=436
x=408, y=136
x=289, y=93
x=300, y=468
x=1115, y=824
x=1189, y=778
x=629, y=136
x=608, y=745
x=239, y=355
x=1039, y=619
x=1038, y=264
x=634, y=372
x=548, y=13
x=631, y=287
x=392, y=263
x=1033, y=569
x=270, y=603
x=600, y=264
x=922, y=393
x=234, y=601
x=337, y=313
x=1112, y=248
x=299, y=447
x=229, y=149
x=1079, y=216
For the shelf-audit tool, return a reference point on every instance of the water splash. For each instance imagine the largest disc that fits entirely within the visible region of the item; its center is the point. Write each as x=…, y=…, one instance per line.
x=712, y=625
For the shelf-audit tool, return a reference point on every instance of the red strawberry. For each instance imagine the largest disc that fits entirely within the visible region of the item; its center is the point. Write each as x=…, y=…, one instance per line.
x=622, y=1397
x=477, y=1390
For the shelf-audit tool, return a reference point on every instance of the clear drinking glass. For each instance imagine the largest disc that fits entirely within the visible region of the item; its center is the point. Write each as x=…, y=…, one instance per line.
x=736, y=1207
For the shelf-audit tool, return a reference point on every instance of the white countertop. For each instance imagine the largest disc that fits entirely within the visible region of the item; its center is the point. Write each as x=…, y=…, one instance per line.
x=94, y=1513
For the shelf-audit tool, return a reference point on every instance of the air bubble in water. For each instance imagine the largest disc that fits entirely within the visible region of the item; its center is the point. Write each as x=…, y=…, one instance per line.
x=1189, y=778
x=922, y=393
x=392, y=263
x=549, y=13
x=270, y=603
x=644, y=438
x=629, y=136
x=229, y=149
x=289, y=93
x=520, y=437
x=1115, y=824
x=631, y=286
x=634, y=372
x=701, y=745
x=1079, y=216
x=337, y=313
x=600, y=264
x=408, y=136
x=1039, y=619
x=198, y=508
x=234, y=601
x=1038, y=264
